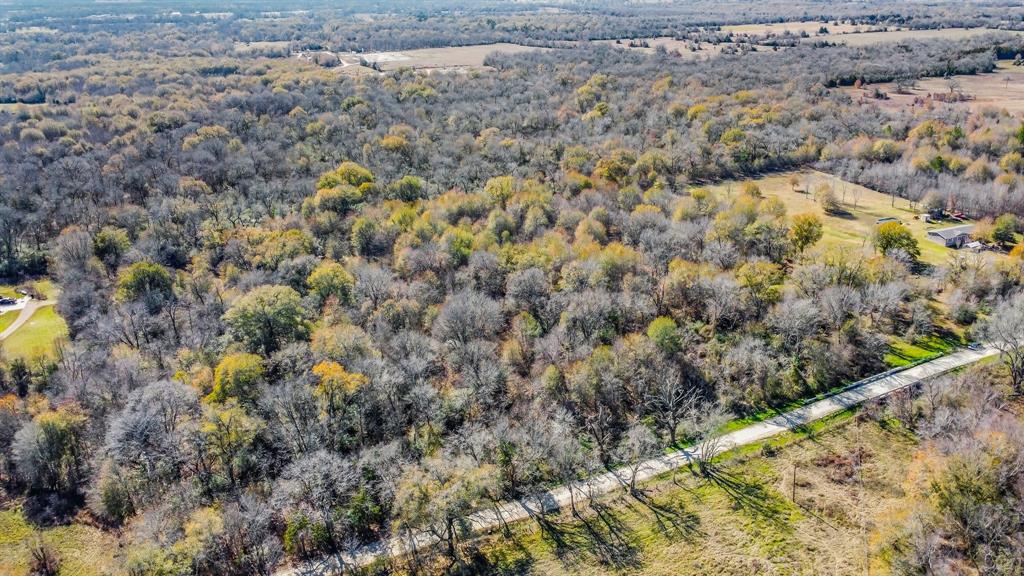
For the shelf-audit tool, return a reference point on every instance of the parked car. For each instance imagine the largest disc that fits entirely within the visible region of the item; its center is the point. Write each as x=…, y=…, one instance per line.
x=7, y=301
x=974, y=345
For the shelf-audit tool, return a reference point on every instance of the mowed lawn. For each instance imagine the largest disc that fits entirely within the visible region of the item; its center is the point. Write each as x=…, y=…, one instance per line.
x=854, y=229
x=8, y=318
x=82, y=550
x=37, y=336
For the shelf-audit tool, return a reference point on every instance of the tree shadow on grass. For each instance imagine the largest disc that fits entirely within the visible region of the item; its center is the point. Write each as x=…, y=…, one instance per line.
x=672, y=518
x=51, y=509
x=602, y=538
x=751, y=496
x=499, y=562
x=842, y=214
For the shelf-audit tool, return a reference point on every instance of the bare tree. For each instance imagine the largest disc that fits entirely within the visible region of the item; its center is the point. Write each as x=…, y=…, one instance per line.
x=705, y=425
x=637, y=446
x=1004, y=329
x=670, y=399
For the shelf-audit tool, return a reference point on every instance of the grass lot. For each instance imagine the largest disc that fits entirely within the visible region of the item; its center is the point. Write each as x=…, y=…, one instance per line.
x=37, y=336
x=851, y=231
x=82, y=550
x=740, y=521
x=7, y=318
x=902, y=353
x=45, y=287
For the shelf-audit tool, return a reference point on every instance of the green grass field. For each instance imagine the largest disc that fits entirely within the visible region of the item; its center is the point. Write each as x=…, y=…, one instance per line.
x=8, y=318
x=82, y=550
x=902, y=353
x=37, y=336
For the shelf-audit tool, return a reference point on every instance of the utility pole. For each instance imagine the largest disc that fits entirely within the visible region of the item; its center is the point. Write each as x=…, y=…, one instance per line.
x=793, y=487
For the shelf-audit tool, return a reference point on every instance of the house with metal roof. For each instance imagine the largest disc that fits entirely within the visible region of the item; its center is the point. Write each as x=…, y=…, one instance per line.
x=952, y=237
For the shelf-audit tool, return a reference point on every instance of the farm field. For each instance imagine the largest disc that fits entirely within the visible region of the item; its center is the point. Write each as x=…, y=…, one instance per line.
x=274, y=47
x=1002, y=89
x=441, y=58
x=866, y=38
x=684, y=47
x=742, y=521
x=853, y=230
x=37, y=336
x=843, y=34
x=811, y=28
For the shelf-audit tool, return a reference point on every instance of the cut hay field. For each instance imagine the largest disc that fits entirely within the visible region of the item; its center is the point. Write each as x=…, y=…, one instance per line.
x=442, y=58
x=850, y=231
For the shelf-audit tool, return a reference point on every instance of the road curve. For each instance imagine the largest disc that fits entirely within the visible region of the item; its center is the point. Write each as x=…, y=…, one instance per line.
x=26, y=312
x=515, y=510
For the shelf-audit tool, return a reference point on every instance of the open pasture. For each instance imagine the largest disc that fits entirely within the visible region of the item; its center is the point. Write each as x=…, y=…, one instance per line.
x=686, y=49
x=1002, y=89
x=866, y=38
x=862, y=206
x=810, y=27
x=276, y=48
x=441, y=58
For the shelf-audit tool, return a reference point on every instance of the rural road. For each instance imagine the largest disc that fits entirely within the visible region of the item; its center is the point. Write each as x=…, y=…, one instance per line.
x=515, y=510
x=28, y=307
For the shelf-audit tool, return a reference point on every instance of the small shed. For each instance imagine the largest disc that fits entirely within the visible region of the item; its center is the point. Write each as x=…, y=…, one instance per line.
x=952, y=237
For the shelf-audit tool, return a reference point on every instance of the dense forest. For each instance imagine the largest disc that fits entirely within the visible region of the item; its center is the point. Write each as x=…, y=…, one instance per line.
x=309, y=310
